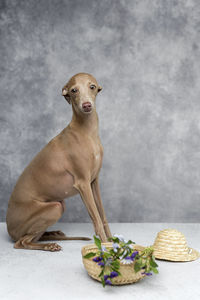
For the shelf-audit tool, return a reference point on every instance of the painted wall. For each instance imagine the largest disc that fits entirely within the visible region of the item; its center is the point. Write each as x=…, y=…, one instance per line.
x=146, y=56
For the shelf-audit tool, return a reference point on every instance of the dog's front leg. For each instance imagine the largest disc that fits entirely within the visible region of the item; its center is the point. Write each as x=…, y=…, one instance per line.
x=99, y=204
x=85, y=191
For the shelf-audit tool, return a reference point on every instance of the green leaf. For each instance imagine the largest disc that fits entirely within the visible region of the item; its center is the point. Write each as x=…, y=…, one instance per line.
x=97, y=242
x=143, y=265
x=119, y=273
x=106, y=255
x=122, y=254
x=112, y=252
x=130, y=242
x=101, y=273
x=139, y=260
x=147, y=269
x=115, y=239
x=153, y=263
x=115, y=269
x=116, y=264
x=103, y=281
x=91, y=254
x=155, y=270
x=122, y=244
x=138, y=264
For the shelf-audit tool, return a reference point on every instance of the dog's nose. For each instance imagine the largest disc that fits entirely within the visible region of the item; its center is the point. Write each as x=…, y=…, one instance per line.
x=86, y=106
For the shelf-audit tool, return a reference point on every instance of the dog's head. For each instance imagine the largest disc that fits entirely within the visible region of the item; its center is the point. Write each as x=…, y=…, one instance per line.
x=81, y=91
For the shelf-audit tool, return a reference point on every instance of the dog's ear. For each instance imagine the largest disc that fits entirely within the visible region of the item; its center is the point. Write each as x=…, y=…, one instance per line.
x=99, y=88
x=66, y=94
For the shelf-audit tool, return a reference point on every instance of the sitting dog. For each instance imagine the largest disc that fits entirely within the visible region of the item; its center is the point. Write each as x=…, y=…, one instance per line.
x=67, y=165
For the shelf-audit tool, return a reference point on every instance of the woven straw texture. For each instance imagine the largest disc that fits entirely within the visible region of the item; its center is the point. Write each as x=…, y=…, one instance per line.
x=170, y=244
x=127, y=271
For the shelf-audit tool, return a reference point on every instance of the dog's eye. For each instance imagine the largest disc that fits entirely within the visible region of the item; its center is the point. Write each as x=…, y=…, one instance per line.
x=92, y=86
x=74, y=90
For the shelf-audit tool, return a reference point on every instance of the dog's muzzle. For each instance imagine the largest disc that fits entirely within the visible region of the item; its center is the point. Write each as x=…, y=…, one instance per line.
x=87, y=106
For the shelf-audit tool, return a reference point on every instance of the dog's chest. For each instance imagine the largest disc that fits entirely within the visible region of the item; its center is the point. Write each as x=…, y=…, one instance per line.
x=96, y=155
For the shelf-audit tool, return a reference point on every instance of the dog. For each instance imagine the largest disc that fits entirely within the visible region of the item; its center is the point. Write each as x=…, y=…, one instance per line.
x=69, y=164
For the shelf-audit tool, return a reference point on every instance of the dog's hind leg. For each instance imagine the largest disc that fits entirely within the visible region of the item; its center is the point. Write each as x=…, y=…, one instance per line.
x=46, y=215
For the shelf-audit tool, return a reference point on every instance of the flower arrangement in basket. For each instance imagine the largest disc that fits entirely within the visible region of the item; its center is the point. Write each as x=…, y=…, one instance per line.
x=118, y=262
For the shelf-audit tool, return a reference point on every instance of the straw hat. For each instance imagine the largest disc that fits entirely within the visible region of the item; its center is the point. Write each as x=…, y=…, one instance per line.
x=170, y=244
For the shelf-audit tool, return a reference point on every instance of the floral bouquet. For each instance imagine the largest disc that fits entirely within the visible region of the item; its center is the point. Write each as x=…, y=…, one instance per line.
x=121, y=252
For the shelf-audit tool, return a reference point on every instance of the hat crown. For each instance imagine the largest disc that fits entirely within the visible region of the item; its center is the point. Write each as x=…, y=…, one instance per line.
x=171, y=240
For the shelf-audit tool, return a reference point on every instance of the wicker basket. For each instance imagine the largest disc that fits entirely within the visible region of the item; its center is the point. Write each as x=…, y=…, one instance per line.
x=128, y=275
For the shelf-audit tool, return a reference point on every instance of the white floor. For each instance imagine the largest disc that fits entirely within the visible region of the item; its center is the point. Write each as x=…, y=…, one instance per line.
x=33, y=274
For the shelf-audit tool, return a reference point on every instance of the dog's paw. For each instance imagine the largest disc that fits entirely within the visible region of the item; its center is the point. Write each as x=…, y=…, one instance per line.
x=52, y=247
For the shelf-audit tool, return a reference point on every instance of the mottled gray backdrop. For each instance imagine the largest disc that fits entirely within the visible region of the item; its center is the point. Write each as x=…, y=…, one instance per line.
x=146, y=56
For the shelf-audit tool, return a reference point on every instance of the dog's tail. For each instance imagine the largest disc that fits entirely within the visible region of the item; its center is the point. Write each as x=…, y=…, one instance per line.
x=82, y=238
x=60, y=236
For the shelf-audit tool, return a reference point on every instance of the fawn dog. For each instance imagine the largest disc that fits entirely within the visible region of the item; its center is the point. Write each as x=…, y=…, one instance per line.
x=67, y=165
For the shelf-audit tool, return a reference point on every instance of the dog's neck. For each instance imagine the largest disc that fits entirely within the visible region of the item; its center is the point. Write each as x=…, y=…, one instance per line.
x=85, y=123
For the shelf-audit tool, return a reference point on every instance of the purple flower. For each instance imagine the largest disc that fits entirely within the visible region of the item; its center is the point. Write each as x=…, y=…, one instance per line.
x=106, y=277
x=133, y=255
x=147, y=273
x=101, y=263
x=97, y=259
x=128, y=257
x=108, y=282
x=113, y=274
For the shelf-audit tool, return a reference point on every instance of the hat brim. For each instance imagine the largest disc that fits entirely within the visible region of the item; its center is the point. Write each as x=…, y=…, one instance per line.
x=166, y=255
